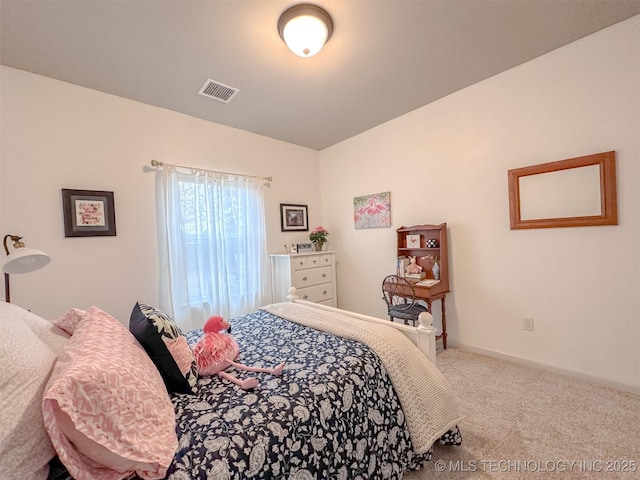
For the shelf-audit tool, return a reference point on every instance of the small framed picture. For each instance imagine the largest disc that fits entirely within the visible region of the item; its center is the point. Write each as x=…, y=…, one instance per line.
x=294, y=218
x=88, y=213
x=305, y=247
x=413, y=241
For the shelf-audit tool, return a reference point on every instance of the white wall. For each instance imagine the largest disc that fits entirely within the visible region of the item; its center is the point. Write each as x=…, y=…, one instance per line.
x=448, y=162
x=55, y=135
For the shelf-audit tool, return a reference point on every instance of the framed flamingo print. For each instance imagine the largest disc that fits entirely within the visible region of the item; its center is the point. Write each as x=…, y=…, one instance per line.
x=372, y=211
x=88, y=213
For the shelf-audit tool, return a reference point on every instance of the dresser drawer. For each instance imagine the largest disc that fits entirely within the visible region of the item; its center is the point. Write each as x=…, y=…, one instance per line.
x=317, y=293
x=326, y=260
x=299, y=263
x=319, y=260
x=311, y=276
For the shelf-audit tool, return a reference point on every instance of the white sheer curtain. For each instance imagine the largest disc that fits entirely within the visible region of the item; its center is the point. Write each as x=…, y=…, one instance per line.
x=213, y=254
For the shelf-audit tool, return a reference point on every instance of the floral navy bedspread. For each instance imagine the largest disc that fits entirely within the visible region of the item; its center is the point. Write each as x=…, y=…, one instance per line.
x=332, y=414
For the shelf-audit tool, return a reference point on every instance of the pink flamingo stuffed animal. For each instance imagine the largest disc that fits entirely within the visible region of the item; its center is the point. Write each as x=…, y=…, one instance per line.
x=217, y=351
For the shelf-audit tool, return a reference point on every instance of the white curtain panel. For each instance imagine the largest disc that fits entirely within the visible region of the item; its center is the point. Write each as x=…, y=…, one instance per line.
x=213, y=253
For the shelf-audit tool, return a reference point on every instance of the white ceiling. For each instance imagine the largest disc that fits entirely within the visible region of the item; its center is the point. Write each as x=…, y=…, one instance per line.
x=385, y=58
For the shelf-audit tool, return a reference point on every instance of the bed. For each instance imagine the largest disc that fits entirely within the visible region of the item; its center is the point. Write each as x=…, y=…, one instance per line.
x=358, y=398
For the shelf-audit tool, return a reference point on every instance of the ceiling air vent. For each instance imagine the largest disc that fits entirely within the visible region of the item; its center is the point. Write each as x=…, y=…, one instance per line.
x=218, y=91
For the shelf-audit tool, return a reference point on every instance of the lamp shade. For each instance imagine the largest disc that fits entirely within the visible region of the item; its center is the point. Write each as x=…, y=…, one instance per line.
x=25, y=260
x=305, y=29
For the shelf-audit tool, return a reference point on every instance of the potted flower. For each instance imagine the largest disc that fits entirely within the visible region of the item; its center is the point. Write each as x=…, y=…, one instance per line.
x=319, y=237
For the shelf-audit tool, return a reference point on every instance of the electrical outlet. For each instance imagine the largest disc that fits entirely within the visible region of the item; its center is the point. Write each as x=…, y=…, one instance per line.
x=527, y=324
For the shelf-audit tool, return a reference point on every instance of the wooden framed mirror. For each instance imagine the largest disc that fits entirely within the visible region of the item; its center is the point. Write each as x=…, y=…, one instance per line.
x=576, y=192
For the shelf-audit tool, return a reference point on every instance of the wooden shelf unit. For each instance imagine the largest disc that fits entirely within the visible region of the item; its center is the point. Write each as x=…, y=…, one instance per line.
x=427, y=232
x=425, y=258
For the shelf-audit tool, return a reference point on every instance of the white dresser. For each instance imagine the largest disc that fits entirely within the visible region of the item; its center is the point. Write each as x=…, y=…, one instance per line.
x=313, y=274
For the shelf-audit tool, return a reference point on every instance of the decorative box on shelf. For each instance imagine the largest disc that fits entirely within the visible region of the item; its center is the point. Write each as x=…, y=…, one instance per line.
x=413, y=241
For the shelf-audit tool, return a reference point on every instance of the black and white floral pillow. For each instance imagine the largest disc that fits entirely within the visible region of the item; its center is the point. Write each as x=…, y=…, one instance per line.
x=166, y=345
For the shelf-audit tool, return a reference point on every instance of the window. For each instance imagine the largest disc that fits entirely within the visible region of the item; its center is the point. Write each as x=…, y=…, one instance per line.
x=212, y=245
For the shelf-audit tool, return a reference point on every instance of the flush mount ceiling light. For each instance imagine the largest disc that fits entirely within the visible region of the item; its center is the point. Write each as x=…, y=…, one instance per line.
x=305, y=29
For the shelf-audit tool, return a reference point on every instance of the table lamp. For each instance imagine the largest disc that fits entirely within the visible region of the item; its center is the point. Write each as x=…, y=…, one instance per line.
x=21, y=260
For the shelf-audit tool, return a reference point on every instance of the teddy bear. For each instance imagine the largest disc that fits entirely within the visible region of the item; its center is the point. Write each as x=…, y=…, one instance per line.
x=216, y=351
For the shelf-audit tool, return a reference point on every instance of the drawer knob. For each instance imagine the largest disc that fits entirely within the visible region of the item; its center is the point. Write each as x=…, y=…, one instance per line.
x=324, y=275
x=305, y=297
x=304, y=279
x=324, y=293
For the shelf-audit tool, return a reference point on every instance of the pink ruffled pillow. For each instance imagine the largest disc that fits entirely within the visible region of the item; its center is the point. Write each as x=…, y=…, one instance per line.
x=70, y=320
x=106, y=407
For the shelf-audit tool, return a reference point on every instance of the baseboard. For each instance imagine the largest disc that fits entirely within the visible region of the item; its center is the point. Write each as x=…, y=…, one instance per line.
x=605, y=382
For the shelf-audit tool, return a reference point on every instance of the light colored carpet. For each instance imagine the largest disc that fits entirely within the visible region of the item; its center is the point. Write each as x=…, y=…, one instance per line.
x=522, y=423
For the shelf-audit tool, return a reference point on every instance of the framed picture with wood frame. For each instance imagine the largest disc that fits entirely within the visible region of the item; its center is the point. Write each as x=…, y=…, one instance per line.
x=88, y=213
x=294, y=218
x=576, y=192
